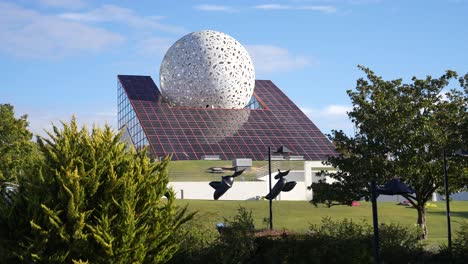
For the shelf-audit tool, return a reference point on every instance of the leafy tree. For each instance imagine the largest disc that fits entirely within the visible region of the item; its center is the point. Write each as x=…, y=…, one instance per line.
x=17, y=151
x=92, y=200
x=402, y=131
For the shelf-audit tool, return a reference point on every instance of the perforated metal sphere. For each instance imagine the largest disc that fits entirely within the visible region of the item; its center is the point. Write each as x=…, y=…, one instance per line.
x=207, y=69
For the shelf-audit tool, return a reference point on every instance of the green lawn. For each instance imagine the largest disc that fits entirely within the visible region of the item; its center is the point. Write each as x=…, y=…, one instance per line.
x=196, y=170
x=297, y=216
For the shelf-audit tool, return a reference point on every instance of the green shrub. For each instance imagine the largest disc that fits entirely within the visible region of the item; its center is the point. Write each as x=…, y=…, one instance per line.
x=197, y=243
x=401, y=244
x=331, y=242
x=460, y=244
x=334, y=241
x=92, y=200
x=342, y=242
x=237, y=240
x=459, y=252
x=235, y=243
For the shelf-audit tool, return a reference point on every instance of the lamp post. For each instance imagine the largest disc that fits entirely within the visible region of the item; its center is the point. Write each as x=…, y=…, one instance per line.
x=281, y=185
x=461, y=153
x=393, y=187
x=375, y=222
x=447, y=204
x=269, y=188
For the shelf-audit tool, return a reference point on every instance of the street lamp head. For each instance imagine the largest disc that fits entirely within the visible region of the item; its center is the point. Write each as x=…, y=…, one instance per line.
x=394, y=187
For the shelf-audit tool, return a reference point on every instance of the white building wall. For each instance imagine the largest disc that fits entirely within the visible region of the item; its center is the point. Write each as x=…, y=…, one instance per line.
x=311, y=168
x=252, y=190
x=247, y=190
x=458, y=196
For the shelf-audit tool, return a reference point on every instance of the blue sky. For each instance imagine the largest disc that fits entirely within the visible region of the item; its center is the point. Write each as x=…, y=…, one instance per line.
x=61, y=57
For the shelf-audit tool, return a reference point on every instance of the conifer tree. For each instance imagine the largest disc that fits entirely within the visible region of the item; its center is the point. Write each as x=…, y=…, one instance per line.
x=93, y=200
x=17, y=151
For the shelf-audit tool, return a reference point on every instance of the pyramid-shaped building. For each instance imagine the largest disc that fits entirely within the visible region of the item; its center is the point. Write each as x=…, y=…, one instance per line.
x=271, y=119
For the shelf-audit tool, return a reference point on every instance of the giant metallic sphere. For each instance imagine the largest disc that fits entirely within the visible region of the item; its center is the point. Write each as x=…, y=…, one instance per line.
x=207, y=69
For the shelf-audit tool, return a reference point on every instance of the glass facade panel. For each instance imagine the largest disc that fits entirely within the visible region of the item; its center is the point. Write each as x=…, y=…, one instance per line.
x=128, y=120
x=253, y=103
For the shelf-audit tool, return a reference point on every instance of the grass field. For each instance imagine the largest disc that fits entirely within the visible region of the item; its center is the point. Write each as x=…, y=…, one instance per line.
x=297, y=215
x=196, y=170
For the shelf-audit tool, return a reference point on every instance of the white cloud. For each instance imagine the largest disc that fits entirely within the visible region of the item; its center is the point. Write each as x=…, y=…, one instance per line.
x=113, y=13
x=155, y=45
x=218, y=8
x=443, y=96
x=320, y=8
x=363, y=2
x=273, y=7
x=40, y=121
x=28, y=33
x=331, y=117
x=325, y=9
x=352, y=2
x=336, y=110
x=268, y=58
x=66, y=4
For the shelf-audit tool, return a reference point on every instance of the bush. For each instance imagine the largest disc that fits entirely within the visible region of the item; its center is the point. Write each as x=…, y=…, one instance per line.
x=459, y=253
x=92, y=200
x=296, y=249
x=400, y=244
x=237, y=240
x=334, y=241
x=331, y=242
x=197, y=242
x=341, y=242
x=235, y=243
x=460, y=244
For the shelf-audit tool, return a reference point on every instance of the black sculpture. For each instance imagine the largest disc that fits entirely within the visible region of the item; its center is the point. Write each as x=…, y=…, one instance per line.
x=225, y=184
x=282, y=185
x=394, y=187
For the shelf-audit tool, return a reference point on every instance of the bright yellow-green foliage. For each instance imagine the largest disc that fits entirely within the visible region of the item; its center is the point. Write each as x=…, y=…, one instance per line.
x=298, y=216
x=92, y=200
x=16, y=149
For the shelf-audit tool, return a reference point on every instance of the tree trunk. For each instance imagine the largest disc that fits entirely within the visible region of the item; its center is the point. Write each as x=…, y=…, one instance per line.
x=421, y=208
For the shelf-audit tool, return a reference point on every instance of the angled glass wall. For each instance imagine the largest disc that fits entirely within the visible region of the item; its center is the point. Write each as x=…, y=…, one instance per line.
x=128, y=122
x=253, y=104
